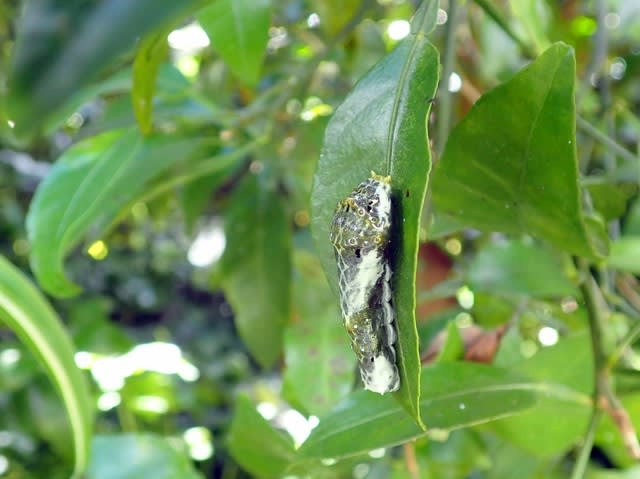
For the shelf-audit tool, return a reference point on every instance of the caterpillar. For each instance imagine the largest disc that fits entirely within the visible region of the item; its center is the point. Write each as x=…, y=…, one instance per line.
x=360, y=233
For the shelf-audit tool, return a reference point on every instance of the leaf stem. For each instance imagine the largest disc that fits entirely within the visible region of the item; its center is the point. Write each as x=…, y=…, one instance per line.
x=591, y=295
x=444, y=95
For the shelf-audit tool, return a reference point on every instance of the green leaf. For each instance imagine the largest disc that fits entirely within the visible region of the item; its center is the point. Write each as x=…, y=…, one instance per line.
x=88, y=186
x=381, y=127
x=34, y=321
x=453, y=348
x=518, y=268
x=239, y=31
x=625, y=254
x=320, y=363
x=565, y=372
x=258, y=448
x=455, y=395
x=197, y=194
x=133, y=456
x=60, y=46
x=610, y=199
x=256, y=266
x=151, y=53
x=510, y=165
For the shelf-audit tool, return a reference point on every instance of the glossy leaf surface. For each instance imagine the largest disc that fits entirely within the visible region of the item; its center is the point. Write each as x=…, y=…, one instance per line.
x=381, y=127
x=510, y=165
x=455, y=395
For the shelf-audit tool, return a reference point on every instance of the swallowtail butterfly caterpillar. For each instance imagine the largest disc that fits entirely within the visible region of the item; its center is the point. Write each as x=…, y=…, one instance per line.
x=360, y=234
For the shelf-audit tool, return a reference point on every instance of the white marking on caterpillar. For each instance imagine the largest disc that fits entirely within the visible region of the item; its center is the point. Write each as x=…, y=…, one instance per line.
x=360, y=233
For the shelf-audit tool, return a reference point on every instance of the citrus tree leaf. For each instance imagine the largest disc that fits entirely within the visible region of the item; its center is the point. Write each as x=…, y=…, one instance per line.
x=515, y=267
x=132, y=456
x=381, y=127
x=510, y=165
x=319, y=363
x=239, y=31
x=454, y=395
x=625, y=254
x=88, y=186
x=258, y=447
x=256, y=266
x=34, y=321
x=151, y=53
x=60, y=47
x=568, y=398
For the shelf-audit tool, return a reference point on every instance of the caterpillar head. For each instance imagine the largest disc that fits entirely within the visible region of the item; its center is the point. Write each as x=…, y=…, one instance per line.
x=363, y=219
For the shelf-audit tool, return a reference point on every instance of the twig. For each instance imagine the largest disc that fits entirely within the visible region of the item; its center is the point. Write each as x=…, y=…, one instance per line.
x=600, y=44
x=603, y=138
x=410, y=460
x=624, y=284
x=580, y=465
x=590, y=294
x=444, y=95
x=604, y=398
x=497, y=17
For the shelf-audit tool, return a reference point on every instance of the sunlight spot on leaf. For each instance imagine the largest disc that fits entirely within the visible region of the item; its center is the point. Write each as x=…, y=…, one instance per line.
x=465, y=297
x=190, y=38
x=455, y=82
x=398, y=29
x=208, y=246
x=10, y=356
x=108, y=400
x=267, y=410
x=199, y=441
x=548, y=336
x=98, y=250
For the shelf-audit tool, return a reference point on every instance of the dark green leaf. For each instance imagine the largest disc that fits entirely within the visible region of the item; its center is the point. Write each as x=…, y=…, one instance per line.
x=515, y=267
x=88, y=186
x=454, y=395
x=197, y=194
x=134, y=456
x=320, y=364
x=152, y=51
x=61, y=46
x=256, y=446
x=565, y=372
x=238, y=30
x=256, y=266
x=510, y=165
x=34, y=321
x=381, y=127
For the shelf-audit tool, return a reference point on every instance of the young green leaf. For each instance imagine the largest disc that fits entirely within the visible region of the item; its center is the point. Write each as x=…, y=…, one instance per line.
x=133, y=456
x=381, y=127
x=88, y=186
x=34, y=321
x=510, y=165
x=454, y=395
x=257, y=446
x=151, y=53
x=239, y=31
x=256, y=266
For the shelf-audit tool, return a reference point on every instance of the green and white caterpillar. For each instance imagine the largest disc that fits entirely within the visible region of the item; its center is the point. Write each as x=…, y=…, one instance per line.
x=360, y=234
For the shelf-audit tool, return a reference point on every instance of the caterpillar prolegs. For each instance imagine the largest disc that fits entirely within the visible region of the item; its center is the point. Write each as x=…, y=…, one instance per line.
x=360, y=234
